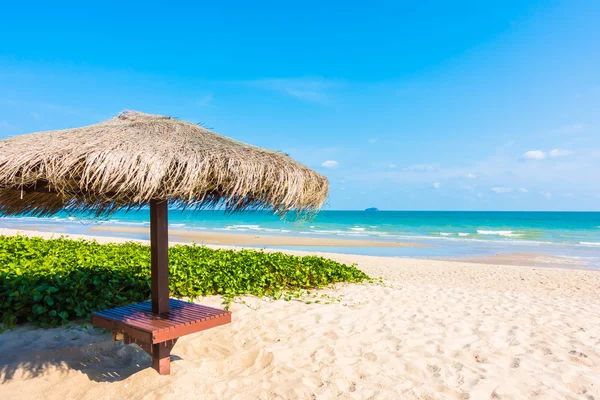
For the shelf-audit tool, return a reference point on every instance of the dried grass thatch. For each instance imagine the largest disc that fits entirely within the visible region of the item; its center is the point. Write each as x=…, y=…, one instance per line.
x=135, y=157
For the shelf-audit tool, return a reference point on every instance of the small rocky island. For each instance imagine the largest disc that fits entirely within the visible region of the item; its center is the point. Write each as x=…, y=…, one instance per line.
x=372, y=209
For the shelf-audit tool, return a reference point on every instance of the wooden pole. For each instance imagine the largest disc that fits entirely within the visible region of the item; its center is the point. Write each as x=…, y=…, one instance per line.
x=159, y=247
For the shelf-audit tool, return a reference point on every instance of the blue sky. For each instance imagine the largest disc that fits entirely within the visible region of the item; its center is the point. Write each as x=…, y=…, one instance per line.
x=440, y=105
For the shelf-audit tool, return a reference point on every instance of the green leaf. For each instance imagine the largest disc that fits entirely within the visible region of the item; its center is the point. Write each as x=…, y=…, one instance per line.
x=39, y=278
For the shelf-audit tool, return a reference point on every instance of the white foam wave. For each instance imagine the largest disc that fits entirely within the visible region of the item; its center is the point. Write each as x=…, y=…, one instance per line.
x=243, y=226
x=463, y=234
x=129, y=223
x=325, y=232
x=499, y=233
x=445, y=234
x=590, y=243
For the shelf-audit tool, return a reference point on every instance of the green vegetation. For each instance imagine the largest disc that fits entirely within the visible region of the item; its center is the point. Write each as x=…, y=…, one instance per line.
x=49, y=282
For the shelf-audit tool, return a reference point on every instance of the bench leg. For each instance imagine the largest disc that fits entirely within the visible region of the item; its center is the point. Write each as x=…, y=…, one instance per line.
x=161, y=356
x=160, y=352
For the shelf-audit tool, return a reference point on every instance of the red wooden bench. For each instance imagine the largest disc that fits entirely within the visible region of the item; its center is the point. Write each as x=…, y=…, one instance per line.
x=155, y=325
x=158, y=333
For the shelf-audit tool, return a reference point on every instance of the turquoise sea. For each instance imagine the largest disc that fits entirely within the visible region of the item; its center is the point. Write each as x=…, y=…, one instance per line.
x=448, y=233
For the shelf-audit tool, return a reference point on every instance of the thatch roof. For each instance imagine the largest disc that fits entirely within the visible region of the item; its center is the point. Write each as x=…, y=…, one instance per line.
x=133, y=158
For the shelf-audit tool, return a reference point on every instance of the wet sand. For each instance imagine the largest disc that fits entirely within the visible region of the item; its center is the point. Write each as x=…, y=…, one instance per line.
x=529, y=259
x=243, y=239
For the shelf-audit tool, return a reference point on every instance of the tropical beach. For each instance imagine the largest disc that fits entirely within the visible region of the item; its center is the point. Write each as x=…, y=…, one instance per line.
x=316, y=200
x=477, y=324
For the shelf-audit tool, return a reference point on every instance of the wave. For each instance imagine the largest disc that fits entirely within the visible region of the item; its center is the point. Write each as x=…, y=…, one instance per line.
x=499, y=233
x=387, y=231
x=135, y=223
x=72, y=220
x=245, y=228
x=242, y=227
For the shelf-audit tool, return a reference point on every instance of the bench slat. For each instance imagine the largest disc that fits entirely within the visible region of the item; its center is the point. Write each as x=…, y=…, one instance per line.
x=138, y=321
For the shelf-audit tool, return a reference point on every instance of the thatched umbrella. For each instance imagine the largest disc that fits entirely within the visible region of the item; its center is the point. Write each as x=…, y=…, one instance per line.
x=138, y=159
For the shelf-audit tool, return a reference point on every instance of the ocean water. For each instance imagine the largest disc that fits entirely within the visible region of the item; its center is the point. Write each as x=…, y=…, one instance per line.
x=448, y=233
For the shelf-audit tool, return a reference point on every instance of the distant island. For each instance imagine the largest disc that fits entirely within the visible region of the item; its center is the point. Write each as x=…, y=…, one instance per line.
x=372, y=209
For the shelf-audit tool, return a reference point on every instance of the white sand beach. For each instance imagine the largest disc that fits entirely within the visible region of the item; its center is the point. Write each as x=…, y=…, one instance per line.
x=432, y=330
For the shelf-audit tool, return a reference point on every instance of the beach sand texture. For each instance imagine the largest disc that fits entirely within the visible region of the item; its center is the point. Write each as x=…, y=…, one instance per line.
x=433, y=330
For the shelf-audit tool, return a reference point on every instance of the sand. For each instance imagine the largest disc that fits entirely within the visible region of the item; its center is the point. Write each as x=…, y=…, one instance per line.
x=255, y=239
x=433, y=330
x=526, y=258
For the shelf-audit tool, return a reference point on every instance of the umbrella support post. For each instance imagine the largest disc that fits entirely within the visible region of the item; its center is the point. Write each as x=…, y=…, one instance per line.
x=159, y=249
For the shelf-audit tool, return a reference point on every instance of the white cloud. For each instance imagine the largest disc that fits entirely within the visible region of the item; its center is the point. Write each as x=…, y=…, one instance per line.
x=35, y=115
x=547, y=195
x=540, y=155
x=373, y=140
x=392, y=166
x=534, y=155
x=329, y=164
x=4, y=124
x=480, y=195
x=436, y=185
x=471, y=175
x=501, y=189
x=506, y=168
x=204, y=100
x=559, y=153
x=570, y=195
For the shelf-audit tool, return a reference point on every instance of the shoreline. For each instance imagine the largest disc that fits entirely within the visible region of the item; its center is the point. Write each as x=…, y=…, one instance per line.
x=247, y=233
x=513, y=259
x=245, y=239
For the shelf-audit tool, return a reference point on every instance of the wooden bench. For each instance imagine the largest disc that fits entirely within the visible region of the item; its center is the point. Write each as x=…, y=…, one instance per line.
x=157, y=333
